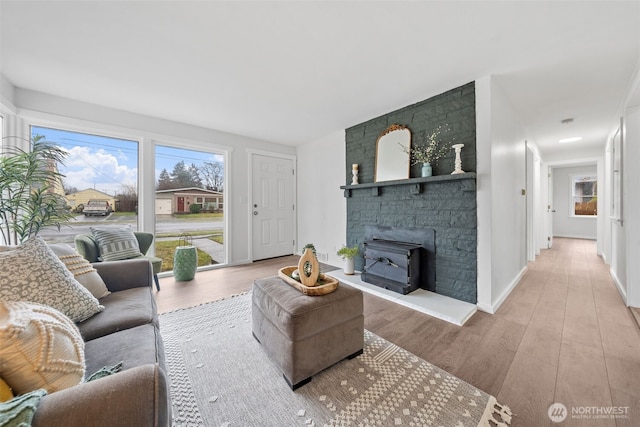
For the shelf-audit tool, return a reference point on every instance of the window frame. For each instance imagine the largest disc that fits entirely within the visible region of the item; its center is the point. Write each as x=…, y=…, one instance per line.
x=573, y=180
x=147, y=141
x=193, y=145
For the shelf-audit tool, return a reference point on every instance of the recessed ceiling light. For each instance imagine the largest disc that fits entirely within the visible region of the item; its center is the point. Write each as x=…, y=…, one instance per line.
x=572, y=139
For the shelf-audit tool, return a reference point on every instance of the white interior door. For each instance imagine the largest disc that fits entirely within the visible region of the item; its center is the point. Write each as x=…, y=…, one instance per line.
x=272, y=206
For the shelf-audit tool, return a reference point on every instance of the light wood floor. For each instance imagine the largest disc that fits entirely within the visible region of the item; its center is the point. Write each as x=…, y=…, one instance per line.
x=563, y=335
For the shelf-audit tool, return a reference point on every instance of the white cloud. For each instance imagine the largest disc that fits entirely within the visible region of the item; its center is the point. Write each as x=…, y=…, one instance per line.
x=90, y=168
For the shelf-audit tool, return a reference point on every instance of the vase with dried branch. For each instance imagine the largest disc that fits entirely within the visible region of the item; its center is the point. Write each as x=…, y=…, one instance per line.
x=429, y=152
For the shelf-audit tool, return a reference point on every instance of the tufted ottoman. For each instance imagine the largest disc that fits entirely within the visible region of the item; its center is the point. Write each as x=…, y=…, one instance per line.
x=305, y=334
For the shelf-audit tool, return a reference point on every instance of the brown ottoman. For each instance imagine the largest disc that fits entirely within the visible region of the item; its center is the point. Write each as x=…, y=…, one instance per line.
x=305, y=334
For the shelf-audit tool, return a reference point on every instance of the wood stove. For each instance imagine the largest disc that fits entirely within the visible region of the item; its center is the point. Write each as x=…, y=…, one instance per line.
x=399, y=259
x=392, y=265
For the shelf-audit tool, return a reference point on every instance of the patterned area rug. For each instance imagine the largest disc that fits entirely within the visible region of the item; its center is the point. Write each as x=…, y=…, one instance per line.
x=220, y=376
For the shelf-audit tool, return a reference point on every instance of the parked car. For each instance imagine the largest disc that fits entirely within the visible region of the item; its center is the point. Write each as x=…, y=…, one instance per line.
x=97, y=208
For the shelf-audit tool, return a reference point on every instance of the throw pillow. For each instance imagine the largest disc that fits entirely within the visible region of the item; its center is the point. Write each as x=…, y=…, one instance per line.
x=82, y=270
x=41, y=348
x=32, y=272
x=116, y=243
x=5, y=391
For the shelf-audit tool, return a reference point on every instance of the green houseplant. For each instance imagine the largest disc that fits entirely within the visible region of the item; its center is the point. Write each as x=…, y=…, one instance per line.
x=347, y=254
x=31, y=195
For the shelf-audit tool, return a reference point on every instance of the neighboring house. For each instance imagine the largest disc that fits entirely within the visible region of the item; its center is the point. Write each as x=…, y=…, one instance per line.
x=82, y=197
x=178, y=200
x=57, y=186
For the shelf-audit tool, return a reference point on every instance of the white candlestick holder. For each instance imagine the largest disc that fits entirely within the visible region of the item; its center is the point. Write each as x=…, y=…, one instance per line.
x=354, y=179
x=458, y=164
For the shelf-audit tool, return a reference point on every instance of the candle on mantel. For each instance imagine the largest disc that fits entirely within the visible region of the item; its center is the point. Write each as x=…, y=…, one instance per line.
x=355, y=167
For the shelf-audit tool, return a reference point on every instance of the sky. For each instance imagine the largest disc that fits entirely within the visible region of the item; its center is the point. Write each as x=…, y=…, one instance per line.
x=106, y=163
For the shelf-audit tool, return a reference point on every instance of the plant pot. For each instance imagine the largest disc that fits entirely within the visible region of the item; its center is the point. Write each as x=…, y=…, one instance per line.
x=349, y=266
x=185, y=263
x=426, y=169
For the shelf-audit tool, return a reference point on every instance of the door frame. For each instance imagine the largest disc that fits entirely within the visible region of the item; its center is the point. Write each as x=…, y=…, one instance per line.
x=250, y=170
x=549, y=166
x=531, y=197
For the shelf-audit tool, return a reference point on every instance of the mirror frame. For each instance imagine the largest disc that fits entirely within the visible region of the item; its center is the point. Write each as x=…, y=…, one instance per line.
x=397, y=166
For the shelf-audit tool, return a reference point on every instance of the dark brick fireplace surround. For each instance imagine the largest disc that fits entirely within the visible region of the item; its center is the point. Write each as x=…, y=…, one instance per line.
x=444, y=202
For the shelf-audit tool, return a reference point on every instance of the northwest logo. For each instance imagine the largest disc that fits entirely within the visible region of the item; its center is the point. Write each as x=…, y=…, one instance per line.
x=557, y=412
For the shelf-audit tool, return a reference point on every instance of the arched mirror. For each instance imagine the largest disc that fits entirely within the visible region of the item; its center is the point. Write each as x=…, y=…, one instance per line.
x=392, y=153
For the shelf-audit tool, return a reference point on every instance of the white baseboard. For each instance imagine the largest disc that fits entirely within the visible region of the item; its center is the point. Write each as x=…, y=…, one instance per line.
x=621, y=289
x=575, y=236
x=491, y=309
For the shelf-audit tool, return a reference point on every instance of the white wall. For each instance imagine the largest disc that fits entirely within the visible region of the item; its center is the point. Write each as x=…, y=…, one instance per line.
x=632, y=202
x=48, y=110
x=484, y=193
x=622, y=238
x=564, y=223
x=6, y=93
x=322, y=208
x=501, y=174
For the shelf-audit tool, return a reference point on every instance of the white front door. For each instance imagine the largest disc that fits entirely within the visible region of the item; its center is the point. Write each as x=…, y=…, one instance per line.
x=272, y=206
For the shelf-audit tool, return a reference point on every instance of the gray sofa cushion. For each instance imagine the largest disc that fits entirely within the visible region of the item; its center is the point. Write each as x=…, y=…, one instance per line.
x=122, y=310
x=136, y=397
x=133, y=347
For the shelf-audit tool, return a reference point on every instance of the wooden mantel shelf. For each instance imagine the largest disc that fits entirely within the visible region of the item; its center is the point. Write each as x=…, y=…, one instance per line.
x=415, y=185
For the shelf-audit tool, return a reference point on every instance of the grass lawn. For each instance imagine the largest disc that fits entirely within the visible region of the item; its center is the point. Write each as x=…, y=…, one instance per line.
x=166, y=249
x=198, y=217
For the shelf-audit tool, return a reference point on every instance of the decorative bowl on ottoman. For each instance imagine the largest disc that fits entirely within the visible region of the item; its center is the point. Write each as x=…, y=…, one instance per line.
x=326, y=284
x=307, y=277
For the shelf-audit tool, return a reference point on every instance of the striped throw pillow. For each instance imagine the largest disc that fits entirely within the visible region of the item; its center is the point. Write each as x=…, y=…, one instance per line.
x=116, y=243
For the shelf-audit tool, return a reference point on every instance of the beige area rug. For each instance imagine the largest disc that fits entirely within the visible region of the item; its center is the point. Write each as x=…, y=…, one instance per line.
x=220, y=376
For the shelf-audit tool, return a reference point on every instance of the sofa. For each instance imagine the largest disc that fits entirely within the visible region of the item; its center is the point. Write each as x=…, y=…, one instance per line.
x=88, y=247
x=127, y=332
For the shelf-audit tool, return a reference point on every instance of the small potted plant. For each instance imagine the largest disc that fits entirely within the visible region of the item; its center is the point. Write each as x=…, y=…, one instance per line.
x=347, y=254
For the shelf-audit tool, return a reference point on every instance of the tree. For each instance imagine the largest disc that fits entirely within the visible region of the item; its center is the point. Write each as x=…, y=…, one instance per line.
x=69, y=189
x=127, y=198
x=164, y=181
x=213, y=174
x=194, y=176
x=180, y=177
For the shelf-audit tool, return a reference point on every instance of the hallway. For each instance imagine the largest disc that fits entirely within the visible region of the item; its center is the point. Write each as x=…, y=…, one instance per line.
x=564, y=335
x=581, y=345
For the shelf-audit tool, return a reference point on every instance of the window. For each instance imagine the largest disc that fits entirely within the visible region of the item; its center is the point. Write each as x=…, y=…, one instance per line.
x=585, y=195
x=189, y=201
x=98, y=169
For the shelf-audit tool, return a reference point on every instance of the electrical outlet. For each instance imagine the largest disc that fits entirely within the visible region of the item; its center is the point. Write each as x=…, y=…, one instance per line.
x=323, y=256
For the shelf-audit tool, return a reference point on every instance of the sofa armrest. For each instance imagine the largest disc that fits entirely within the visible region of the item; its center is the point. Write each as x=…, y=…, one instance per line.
x=135, y=397
x=125, y=274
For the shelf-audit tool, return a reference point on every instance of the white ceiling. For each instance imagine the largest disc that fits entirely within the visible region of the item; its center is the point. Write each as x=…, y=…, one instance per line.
x=291, y=72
